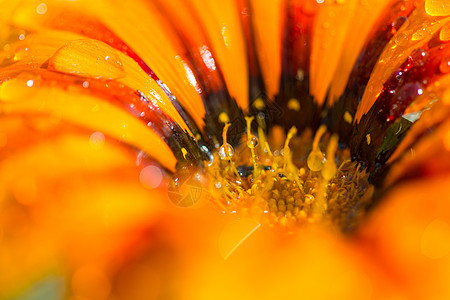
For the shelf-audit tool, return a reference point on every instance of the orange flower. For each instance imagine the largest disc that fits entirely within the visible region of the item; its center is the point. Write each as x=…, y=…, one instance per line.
x=175, y=149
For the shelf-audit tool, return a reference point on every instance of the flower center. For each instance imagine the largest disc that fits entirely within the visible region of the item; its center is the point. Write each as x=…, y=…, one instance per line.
x=288, y=179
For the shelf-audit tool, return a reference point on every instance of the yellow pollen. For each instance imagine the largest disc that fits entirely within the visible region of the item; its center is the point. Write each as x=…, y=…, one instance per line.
x=286, y=151
x=259, y=104
x=348, y=117
x=293, y=104
x=223, y=118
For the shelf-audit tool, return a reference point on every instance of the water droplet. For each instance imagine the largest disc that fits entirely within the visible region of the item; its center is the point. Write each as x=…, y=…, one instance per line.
x=97, y=140
x=419, y=35
x=401, y=39
x=226, y=152
x=41, y=8
x=20, y=53
x=315, y=160
x=252, y=142
x=399, y=22
x=326, y=25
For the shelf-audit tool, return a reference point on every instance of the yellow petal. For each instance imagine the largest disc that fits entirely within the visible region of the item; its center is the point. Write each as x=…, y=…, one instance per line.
x=437, y=7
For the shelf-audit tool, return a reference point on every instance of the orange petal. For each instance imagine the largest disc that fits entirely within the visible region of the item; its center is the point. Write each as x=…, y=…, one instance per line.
x=410, y=232
x=268, y=28
x=329, y=36
x=67, y=194
x=412, y=35
x=88, y=58
x=224, y=30
x=84, y=110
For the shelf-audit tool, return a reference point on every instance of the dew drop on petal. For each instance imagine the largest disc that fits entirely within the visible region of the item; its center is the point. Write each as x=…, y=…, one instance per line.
x=399, y=22
x=20, y=53
x=401, y=39
x=97, y=140
x=419, y=35
x=41, y=8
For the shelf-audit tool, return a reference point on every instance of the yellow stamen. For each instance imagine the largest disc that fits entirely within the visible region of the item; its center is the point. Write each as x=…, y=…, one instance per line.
x=286, y=151
x=283, y=189
x=252, y=141
x=184, y=152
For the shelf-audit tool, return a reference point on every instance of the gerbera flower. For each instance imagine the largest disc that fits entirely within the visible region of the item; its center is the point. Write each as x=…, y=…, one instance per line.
x=206, y=150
